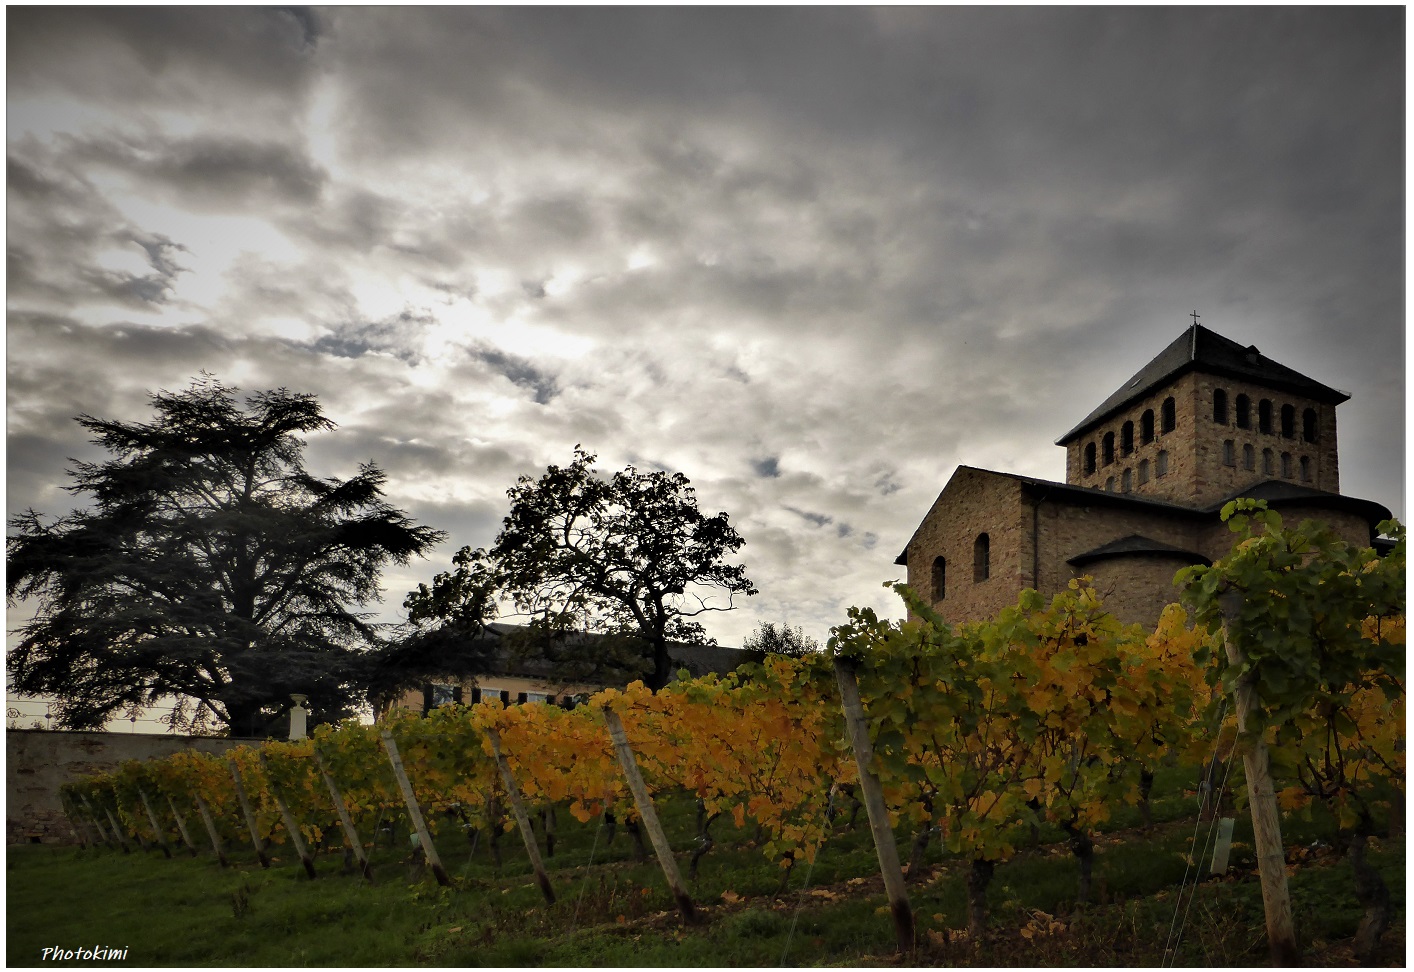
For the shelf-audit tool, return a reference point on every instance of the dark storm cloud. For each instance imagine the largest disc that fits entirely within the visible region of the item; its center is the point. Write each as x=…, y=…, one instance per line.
x=186, y=56
x=211, y=170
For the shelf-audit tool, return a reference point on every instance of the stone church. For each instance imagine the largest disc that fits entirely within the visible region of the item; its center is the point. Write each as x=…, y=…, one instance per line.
x=1147, y=472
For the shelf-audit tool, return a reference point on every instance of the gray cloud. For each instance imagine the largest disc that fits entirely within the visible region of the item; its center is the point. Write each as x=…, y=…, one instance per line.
x=812, y=257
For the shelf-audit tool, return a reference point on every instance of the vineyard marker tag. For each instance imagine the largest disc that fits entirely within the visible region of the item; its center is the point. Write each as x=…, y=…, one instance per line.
x=1224, y=846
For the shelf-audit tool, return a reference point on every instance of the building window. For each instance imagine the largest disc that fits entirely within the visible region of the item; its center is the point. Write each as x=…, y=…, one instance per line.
x=982, y=558
x=1110, y=485
x=1168, y=419
x=1244, y=412
x=1268, y=468
x=1286, y=465
x=1288, y=421
x=1229, y=457
x=1146, y=426
x=1126, y=439
x=1161, y=463
x=1107, y=448
x=1126, y=481
x=1089, y=458
x=1305, y=469
x=1219, y=406
x=1249, y=457
x=1308, y=425
x=1143, y=471
x=1264, y=416
x=940, y=578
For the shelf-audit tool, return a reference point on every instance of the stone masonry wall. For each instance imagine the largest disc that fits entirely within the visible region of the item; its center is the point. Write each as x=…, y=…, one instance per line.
x=974, y=502
x=39, y=761
x=1197, y=473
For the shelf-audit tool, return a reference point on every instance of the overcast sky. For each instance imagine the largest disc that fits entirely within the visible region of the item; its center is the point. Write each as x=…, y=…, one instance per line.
x=813, y=258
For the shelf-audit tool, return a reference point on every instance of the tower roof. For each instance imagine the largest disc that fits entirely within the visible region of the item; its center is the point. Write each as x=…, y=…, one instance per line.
x=1199, y=349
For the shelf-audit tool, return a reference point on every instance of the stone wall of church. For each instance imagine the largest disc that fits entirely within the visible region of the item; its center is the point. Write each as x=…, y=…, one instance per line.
x=974, y=502
x=1067, y=530
x=1135, y=589
x=1202, y=460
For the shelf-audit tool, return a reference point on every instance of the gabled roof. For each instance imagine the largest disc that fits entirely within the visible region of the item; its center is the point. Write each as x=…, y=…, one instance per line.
x=1199, y=349
x=1135, y=545
x=1276, y=492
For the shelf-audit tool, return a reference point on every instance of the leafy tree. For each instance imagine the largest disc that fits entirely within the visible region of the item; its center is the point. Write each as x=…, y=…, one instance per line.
x=629, y=556
x=768, y=639
x=1318, y=624
x=208, y=566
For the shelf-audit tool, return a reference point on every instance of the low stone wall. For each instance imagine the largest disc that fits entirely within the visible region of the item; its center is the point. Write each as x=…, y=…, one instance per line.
x=39, y=761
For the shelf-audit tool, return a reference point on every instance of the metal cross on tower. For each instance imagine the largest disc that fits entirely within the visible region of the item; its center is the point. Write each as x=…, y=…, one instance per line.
x=1194, y=315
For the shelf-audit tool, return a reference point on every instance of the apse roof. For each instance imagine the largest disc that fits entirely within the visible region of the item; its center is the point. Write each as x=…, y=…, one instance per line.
x=1199, y=349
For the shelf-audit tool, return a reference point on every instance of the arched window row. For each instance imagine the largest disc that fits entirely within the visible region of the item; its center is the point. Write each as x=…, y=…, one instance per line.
x=1109, y=451
x=1270, y=419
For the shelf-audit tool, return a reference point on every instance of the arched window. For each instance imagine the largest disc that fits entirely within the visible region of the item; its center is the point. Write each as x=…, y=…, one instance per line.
x=982, y=558
x=940, y=578
x=1264, y=416
x=1126, y=439
x=1143, y=471
x=1244, y=412
x=1229, y=456
x=1089, y=458
x=1219, y=406
x=1107, y=448
x=1126, y=481
x=1268, y=465
x=1110, y=485
x=1146, y=426
x=1308, y=425
x=1305, y=469
x=1168, y=419
x=1161, y=463
x=1288, y=421
x=1286, y=465
x=1249, y=457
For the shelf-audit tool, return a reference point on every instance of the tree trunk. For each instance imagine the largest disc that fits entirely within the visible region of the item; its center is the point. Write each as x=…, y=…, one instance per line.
x=1370, y=889
x=919, y=849
x=978, y=877
x=1146, y=786
x=1084, y=850
x=704, y=842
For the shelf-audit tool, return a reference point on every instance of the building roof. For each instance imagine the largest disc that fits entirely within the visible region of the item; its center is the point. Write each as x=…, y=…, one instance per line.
x=496, y=645
x=1135, y=545
x=1276, y=492
x=1199, y=349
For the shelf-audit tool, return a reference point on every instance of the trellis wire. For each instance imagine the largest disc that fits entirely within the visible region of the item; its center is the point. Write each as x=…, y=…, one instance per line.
x=800, y=902
x=1196, y=856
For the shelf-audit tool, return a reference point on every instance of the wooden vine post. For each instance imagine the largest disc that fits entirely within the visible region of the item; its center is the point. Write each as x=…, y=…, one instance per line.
x=122, y=837
x=351, y=839
x=291, y=827
x=210, y=824
x=77, y=822
x=414, y=811
x=249, y=814
x=103, y=831
x=1261, y=798
x=646, y=812
x=884, y=845
x=181, y=825
x=527, y=833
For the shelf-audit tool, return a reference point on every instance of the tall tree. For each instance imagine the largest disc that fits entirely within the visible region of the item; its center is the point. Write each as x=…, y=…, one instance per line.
x=208, y=566
x=629, y=555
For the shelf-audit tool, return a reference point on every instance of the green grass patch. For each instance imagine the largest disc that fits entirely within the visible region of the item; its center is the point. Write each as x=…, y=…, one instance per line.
x=613, y=909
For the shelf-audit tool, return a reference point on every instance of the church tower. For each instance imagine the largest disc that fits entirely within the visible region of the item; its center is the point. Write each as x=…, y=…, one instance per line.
x=1203, y=420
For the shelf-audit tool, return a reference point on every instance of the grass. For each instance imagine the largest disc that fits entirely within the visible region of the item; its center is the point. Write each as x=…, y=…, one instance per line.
x=614, y=910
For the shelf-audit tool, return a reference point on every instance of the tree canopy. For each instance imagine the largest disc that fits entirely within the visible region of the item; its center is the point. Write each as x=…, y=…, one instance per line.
x=628, y=555
x=208, y=566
